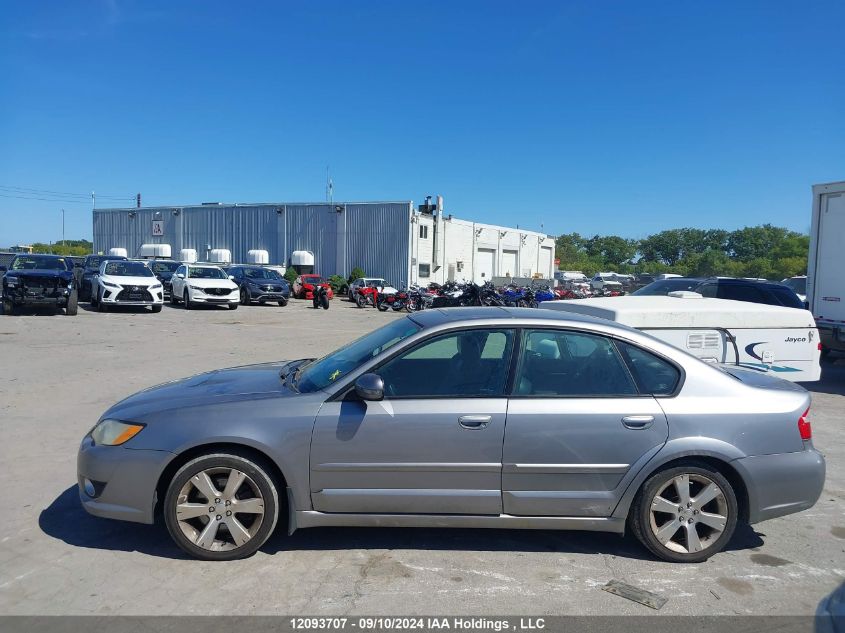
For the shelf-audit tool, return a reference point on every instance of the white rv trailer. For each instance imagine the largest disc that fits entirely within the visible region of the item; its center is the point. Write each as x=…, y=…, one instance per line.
x=783, y=341
x=826, y=265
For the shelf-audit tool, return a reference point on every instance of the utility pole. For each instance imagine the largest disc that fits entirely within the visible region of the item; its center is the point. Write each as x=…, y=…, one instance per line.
x=63, y=228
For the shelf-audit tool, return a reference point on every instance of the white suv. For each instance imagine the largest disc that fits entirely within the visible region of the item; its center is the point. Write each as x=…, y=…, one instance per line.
x=606, y=281
x=126, y=283
x=195, y=284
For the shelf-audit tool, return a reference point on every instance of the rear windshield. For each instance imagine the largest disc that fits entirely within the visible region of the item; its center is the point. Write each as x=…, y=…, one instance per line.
x=665, y=286
x=128, y=269
x=798, y=285
x=33, y=262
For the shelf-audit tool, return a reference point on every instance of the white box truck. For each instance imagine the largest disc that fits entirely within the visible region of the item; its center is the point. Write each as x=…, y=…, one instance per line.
x=775, y=339
x=826, y=265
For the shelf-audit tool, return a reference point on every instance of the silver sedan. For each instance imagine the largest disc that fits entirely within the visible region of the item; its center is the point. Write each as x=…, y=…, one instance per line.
x=464, y=417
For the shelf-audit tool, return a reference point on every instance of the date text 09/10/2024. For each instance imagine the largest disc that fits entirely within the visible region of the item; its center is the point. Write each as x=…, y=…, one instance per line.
x=388, y=623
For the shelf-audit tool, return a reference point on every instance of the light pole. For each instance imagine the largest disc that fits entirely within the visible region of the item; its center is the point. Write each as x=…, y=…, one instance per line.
x=63, y=228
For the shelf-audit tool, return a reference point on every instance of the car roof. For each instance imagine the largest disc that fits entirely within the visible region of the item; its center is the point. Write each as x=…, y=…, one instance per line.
x=440, y=316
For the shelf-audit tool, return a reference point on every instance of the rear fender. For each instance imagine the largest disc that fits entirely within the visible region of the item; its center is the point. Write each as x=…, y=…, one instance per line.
x=671, y=451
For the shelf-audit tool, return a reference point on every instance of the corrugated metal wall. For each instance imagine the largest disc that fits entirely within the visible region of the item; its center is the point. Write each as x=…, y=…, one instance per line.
x=373, y=236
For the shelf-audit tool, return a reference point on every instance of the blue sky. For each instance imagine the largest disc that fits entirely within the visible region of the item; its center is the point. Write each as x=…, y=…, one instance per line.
x=589, y=116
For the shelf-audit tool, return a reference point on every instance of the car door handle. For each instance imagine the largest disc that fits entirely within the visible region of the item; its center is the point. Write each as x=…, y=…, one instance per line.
x=474, y=421
x=637, y=422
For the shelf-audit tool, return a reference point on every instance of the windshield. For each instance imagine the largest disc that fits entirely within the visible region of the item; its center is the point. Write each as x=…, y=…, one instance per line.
x=797, y=284
x=164, y=267
x=319, y=374
x=41, y=263
x=261, y=273
x=665, y=286
x=376, y=283
x=314, y=279
x=197, y=272
x=128, y=269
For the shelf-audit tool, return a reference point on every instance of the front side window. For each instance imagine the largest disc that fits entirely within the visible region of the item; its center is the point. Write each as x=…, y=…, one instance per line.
x=556, y=363
x=469, y=364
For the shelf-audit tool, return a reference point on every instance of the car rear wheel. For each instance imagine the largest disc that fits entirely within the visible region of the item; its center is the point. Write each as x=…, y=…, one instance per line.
x=244, y=297
x=685, y=514
x=221, y=507
x=173, y=299
x=8, y=307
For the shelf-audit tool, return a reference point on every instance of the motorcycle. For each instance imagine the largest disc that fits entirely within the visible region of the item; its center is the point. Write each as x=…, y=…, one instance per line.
x=321, y=298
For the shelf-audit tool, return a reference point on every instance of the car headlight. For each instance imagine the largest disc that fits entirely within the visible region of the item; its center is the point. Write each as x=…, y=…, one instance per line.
x=12, y=281
x=109, y=284
x=114, y=433
x=155, y=286
x=194, y=287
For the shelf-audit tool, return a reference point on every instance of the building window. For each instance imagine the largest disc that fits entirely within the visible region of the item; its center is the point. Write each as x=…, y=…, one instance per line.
x=424, y=270
x=424, y=233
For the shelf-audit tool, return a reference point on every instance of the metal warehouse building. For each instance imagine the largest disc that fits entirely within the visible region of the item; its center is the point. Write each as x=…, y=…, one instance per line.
x=386, y=239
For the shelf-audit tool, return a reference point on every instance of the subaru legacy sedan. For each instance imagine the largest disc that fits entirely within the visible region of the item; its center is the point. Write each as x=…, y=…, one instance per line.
x=463, y=417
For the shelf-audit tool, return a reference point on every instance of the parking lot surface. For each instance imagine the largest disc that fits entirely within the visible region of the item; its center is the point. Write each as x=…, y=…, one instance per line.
x=60, y=373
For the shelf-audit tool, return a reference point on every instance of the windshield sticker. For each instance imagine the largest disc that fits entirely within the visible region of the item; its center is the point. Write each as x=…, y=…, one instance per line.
x=334, y=375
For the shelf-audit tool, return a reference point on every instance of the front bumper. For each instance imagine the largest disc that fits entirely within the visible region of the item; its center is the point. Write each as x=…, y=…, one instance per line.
x=258, y=294
x=124, y=479
x=781, y=484
x=25, y=299
x=157, y=299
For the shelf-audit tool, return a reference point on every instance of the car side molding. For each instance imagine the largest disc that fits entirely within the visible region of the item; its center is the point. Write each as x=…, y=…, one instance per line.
x=311, y=518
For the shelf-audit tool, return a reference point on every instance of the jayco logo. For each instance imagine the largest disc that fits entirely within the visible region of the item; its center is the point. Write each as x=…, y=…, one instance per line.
x=792, y=339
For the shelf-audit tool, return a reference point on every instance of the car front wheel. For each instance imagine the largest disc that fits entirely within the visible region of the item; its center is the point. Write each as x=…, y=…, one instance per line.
x=221, y=507
x=685, y=514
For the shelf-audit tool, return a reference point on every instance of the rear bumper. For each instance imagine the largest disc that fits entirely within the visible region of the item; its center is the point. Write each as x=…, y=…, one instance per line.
x=125, y=480
x=781, y=484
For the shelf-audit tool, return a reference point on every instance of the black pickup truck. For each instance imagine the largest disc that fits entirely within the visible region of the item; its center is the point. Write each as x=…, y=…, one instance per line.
x=39, y=280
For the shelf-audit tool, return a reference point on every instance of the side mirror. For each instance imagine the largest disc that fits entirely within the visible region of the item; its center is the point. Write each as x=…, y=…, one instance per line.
x=370, y=387
x=180, y=275
x=232, y=277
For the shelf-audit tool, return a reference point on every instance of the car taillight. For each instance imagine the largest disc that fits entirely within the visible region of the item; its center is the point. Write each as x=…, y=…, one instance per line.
x=820, y=346
x=804, y=427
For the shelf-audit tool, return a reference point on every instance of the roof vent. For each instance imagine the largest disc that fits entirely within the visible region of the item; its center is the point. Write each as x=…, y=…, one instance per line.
x=685, y=294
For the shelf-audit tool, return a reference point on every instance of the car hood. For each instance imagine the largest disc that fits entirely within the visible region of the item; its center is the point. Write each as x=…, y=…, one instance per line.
x=40, y=272
x=130, y=281
x=211, y=283
x=249, y=382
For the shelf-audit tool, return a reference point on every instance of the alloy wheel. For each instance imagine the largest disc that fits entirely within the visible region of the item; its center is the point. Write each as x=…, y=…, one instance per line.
x=220, y=509
x=688, y=513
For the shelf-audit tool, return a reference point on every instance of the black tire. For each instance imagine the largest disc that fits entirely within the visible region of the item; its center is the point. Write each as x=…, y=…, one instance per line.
x=825, y=353
x=8, y=307
x=156, y=308
x=72, y=307
x=256, y=471
x=382, y=306
x=173, y=300
x=186, y=299
x=360, y=301
x=101, y=306
x=283, y=303
x=324, y=302
x=245, y=300
x=233, y=306
x=639, y=516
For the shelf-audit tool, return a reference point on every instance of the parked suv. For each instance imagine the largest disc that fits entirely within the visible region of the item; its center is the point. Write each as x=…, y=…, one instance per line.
x=606, y=281
x=39, y=280
x=773, y=294
x=257, y=283
x=85, y=275
x=196, y=284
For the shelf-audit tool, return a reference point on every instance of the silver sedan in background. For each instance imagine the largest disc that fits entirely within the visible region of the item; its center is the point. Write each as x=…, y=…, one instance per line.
x=463, y=417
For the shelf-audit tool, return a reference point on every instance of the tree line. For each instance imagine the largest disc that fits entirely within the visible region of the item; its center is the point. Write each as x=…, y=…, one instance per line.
x=765, y=251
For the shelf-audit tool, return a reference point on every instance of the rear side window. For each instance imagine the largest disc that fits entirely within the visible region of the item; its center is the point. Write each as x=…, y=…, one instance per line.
x=654, y=375
x=741, y=292
x=787, y=297
x=555, y=363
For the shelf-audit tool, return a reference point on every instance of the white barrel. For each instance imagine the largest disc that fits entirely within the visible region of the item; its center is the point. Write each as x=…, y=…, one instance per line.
x=220, y=256
x=258, y=257
x=188, y=255
x=118, y=252
x=154, y=250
